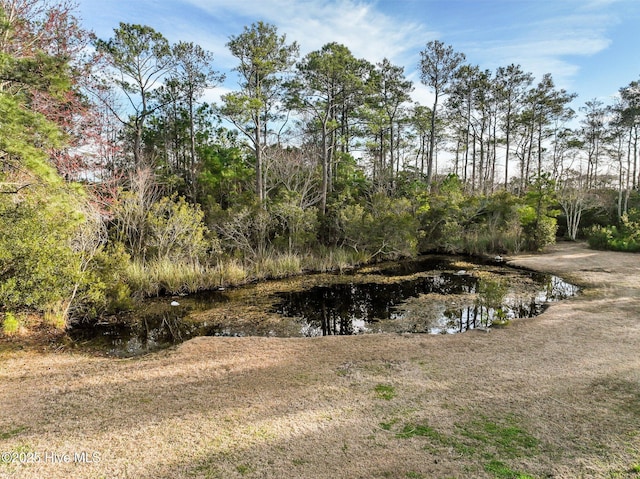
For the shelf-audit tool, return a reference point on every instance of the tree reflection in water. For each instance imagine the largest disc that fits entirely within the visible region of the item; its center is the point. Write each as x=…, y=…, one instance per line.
x=431, y=295
x=356, y=308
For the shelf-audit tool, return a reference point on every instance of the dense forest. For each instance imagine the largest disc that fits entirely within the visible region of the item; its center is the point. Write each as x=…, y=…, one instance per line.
x=119, y=181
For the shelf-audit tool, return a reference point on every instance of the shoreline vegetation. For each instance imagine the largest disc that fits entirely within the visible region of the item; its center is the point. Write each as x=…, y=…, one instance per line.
x=119, y=181
x=531, y=400
x=168, y=278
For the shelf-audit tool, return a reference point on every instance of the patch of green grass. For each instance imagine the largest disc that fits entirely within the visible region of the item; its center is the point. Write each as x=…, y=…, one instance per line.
x=501, y=471
x=420, y=430
x=384, y=391
x=13, y=432
x=414, y=475
x=491, y=441
x=11, y=324
x=505, y=437
x=388, y=425
x=243, y=469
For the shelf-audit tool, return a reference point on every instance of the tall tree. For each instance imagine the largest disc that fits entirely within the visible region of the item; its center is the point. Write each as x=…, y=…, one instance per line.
x=325, y=79
x=460, y=109
x=593, y=132
x=630, y=117
x=182, y=111
x=545, y=108
x=438, y=65
x=421, y=122
x=195, y=74
x=549, y=104
x=389, y=92
x=264, y=57
x=139, y=58
x=622, y=144
x=510, y=87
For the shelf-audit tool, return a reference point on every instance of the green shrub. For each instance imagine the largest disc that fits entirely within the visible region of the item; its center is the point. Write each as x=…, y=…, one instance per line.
x=626, y=237
x=599, y=237
x=296, y=227
x=385, y=227
x=38, y=267
x=104, y=288
x=538, y=217
x=11, y=324
x=176, y=231
x=539, y=232
x=456, y=223
x=168, y=227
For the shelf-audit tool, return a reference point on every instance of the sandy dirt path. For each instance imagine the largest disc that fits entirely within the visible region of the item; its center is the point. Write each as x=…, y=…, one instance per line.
x=553, y=396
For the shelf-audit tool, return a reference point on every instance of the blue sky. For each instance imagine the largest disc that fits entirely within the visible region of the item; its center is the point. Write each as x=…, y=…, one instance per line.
x=591, y=47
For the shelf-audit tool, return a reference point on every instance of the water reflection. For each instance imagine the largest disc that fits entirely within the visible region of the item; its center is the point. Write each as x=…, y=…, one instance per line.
x=345, y=309
x=436, y=295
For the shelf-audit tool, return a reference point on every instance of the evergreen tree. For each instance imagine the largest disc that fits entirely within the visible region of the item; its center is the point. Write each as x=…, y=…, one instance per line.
x=139, y=57
x=264, y=57
x=438, y=66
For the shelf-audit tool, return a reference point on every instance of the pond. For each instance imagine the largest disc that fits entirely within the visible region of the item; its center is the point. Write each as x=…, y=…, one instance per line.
x=430, y=295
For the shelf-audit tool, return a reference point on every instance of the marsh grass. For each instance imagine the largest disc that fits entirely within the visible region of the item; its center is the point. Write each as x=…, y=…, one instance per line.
x=163, y=276
x=229, y=272
x=56, y=314
x=166, y=277
x=336, y=259
x=278, y=265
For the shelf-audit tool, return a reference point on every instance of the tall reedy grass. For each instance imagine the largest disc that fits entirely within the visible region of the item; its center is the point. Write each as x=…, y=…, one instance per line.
x=163, y=276
x=336, y=259
x=277, y=265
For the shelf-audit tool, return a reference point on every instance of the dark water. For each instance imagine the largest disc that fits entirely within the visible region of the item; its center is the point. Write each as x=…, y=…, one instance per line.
x=434, y=295
x=346, y=309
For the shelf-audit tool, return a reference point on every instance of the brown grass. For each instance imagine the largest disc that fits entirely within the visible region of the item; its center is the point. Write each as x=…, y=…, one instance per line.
x=555, y=396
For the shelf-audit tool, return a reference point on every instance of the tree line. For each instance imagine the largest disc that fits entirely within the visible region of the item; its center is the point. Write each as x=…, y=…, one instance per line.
x=118, y=179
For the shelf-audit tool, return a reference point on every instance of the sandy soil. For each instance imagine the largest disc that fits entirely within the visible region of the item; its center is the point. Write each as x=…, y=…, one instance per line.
x=554, y=396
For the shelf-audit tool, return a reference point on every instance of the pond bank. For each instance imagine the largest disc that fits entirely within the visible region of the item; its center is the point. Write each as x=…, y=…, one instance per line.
x=434, y=294
x=553, y=396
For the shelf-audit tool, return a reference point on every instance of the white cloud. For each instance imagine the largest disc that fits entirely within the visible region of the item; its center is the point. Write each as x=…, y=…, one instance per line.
x=358, y=25
x=548, y=37
x=422, y=94
x=549, y=46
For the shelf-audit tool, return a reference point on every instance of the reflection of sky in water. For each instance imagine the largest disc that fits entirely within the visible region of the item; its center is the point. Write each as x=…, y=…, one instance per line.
x=425, y=296
x=373, y=307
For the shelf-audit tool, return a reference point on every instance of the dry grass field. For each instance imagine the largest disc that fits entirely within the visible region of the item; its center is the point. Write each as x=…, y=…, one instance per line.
x=554, y=396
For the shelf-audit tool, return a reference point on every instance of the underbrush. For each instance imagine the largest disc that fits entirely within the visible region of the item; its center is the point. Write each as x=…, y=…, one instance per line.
x=624, y=237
